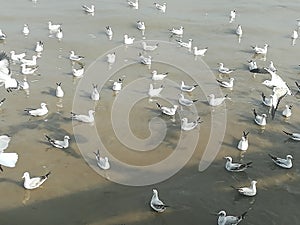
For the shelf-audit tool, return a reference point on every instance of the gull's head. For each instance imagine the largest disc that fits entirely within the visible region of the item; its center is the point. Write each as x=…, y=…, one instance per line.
x=266, y=45
x=289, y=157
x=12, y=52
x=253, y=182
x=155, y=191
x=222, y=213
x=211, y=96
x=26, y=174
x=91, y=111
x=228, y=158
x=181, y=28
x=67, y=137
x=231, y=79
x=154, y=72
x=184, y=119
x=190, y=40
x=221, y=64
x=49, y=22
x=43, y=104
x=125, y=35
x=264, y=115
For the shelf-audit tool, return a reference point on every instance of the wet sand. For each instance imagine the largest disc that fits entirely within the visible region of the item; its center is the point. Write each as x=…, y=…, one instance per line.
x=75, y=193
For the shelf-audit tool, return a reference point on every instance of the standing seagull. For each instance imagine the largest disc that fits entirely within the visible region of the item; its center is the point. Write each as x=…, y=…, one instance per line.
x=260, y=119
x=133, y=4
x=243, y=143
x=95, y=96
x=84, y=118
x=34, y=182
x=145, y=60
x=59, y=34
x=149, y=47
x=187, y=88
x=239, y=32
x=200, y=52
x=109, y=32
x=53, y=28
x=6, y=159
x=248, y=191
x=39, y=46
x=224, y=70
x=294, y=136
x=74, y=57
x=128, y=40
x=88, y=9
x=2, y=35
x=284, y=163
x=154, y=92
x=258, y=50
x=187, y=45
x=39, y=111
x=223, y=219
x=287, y=112
x=160, y=7
x=117, y=85
x=17, y=57
x=102, y=162
x=186, y=102
x=141, y=26
x=156, y=204
x=294, y=36
x=235, y=167
x=213, y=101
x=158, y=76
x=226, y=84
x=177, y=32
x=186, y=126
x=232, y=16
x=59, y=91
x=59, y=143
x=166, y=110
x=25, y=30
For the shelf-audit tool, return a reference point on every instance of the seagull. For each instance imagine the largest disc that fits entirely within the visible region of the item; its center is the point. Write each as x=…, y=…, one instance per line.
x=95, y=96
x=34, y=182
x=53, y=27
x=187, y=88
x=160, y=7
x=109, y=32
x=260, y=119
x=2, y=101
x=287, y=112
x=232, y=16
x=185, y=44
x=267, y=101
x=59, y=143
x=128, y=40
x=243, y=143
x=226, y=84
x=39, y=46
x=4, y=141
x=102, y=162
x=17, y=57
x=253, y=68
x=5, y=74
x=248, y=191
x=272, y=67
x=259, y=50
x=186, y=126
x=2, y=35
x=284, y=163
x=84, y=118
x=39, y=111
x=78, y=72
x=213, y=101
x=223, y=219
x=158, y=76
x=239, y=31
x=200, y=52
x=88, y=9
x=224, y=70
x=25, y=30
x=111, y=58
x=186, y=102
x=59, y=91
x=133, y=4
x=178, y=32
x=149, y=47
x=117, y=85
x=141, y=26
x=294, y=136
x=235, y=167
x=74, y=57
x=59, y=34
x=166, y=110
x=294, y=34
x=145, y=60
x=8, y=159
x=154, y=92
x=24, y=84
x=156, y=204
x=30, y=62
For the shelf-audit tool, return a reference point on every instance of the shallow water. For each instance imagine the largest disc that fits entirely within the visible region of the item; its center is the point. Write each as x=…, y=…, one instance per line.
x=75, y=193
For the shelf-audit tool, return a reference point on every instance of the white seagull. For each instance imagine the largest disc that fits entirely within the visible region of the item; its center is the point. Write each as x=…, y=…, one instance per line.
x=272, y=67
x=59, y=34
x=6, y=159
x=239, y=31
x=259, y=50
x=145, y=60
x=243, y=143
x=111, y=58
x=78, y=72
x=154, y=92
x=187, y=88
x=226, y=84
x=268, y=101
x=30, y=62
x=294, y=34
x=149, y=47
x=232, y=16
x=156, y=204
x=166, y=110
x=213, y=101
x=141, y=26
x=248, y=191
x=109, y=32
x=235, y=167
x=4, y=141
x=185, y=44
x=224, y=70
x=34, y=182
x=95, y=96
x=74, y=57
x=39, y=111
x=158, y=76
x=25, y=30
x=178, y=32
x=102, y=162
x=88, y=9
x=24, y=84
x=1, y=103
x=59, y=91
x=84, y=118
x=185, y=101
x=260, y=120
x=53, y=28
x=200, y=52
x=133, y=4
x=117, y=85
x=223, y=219
x=186, y=126
x=5, y=73
x=287, y=112
x=160, y=7
x=39, y=46
x=59, y=143
x=17, y=57
x=294, y=136
x=284, y=163
x=128, y=40
x=2, y=35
